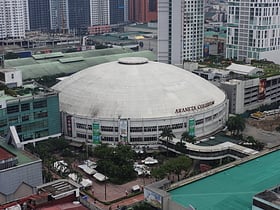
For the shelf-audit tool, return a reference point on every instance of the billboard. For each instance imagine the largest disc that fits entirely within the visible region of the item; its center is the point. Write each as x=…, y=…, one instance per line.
x=206, y=50
x=123, y=129
x=192, y=127
x=153, y=198
x=69, y=125
x=262, y=89
x=95, y=133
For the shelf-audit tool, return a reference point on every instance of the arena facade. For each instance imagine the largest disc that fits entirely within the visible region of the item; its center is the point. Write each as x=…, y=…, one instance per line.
x=131, y=100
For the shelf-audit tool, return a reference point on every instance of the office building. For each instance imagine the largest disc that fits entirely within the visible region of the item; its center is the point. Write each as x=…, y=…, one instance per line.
x=99, y=14
x=142, y=11
x=247, y=93
x=253, y=30
x=79, y=16
x=39, y=15
x=59, y=15
x=134, y=99
x=33, y=110
x=118, y=11
x=180, y=31
x=12, y=19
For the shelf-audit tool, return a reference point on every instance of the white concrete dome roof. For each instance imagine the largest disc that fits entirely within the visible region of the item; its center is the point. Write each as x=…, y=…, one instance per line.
x=136, y=88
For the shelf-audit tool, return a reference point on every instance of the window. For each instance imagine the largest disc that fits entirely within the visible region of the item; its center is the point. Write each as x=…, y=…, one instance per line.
x=12, y=109
x=107, y=128
x=39, y=104
x=177, y=126
x=25, y=107
x=107, y=138
x=150, y=128
x=81, y=135
x=38, y=115
x=150, y=138
x=198, y=122
x=25, y=118
x=136, y=129
x=81, y=126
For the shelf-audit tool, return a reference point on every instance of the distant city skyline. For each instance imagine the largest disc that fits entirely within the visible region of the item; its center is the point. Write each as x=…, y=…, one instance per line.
x=69, y=15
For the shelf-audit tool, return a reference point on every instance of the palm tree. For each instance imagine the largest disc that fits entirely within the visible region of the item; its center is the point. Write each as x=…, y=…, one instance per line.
x=186, y=137
x=168, y=134
x=236, y=124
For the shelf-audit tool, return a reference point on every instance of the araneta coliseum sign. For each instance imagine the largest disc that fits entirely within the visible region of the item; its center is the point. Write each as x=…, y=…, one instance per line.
x=193, y=108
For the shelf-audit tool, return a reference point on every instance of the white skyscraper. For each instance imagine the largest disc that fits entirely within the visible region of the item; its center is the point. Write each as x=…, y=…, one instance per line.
x=254, y=30
x=99, y=12
x=12, y=19
x=180, y=30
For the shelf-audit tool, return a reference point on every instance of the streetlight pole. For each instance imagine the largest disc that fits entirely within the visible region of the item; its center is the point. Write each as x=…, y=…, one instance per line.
x=105, y=188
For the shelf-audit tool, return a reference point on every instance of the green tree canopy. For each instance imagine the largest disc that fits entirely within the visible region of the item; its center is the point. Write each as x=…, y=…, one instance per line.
x=167, y=135
x=173, y=165
x=116, y=163
x=236, y=124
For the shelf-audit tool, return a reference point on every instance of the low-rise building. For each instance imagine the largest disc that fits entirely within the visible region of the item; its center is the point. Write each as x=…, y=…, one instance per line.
x=20, y=173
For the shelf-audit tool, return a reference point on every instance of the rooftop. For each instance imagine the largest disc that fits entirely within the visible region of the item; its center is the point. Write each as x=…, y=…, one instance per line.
x=23, y=157
x=27, y=89
x=58, y=187
x=5, y=155
x=70, y=63
x=233, y=188
x=271, y=195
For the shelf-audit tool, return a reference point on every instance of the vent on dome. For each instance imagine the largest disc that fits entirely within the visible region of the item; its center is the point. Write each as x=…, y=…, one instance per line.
x=133, y=60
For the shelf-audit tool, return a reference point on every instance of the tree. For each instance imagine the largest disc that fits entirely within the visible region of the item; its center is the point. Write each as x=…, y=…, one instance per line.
x=186, y=137
x=158, y=172
x=143, y=206
x=168, y=135
x=236, y=124
x=178, y=164
x=116, y=163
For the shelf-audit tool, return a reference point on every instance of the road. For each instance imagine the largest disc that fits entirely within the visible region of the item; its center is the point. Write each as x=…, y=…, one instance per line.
x=271, y=139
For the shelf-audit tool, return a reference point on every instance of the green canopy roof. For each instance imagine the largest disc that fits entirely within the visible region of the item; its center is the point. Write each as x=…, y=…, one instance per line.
x=231, y=189
x=69, y=66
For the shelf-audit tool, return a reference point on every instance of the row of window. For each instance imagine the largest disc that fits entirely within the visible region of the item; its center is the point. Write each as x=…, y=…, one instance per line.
x=149, y=128
x=26, y=106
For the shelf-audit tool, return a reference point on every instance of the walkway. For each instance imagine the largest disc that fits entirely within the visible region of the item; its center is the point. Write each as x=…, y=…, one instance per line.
x=212, y=152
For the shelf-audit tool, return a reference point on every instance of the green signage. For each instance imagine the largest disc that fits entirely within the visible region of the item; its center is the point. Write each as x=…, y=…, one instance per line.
x=192, y=127
x=96, y=133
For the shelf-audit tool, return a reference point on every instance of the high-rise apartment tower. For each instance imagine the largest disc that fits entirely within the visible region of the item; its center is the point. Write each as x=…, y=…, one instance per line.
x=180, y=30
x=253, y=30
x=12, y=18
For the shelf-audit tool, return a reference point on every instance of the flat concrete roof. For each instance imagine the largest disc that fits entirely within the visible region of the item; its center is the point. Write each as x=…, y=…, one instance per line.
x=23, y=157
x=233, y=188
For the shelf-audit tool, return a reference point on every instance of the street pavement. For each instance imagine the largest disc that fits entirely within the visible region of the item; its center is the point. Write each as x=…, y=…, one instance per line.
x=271, y=139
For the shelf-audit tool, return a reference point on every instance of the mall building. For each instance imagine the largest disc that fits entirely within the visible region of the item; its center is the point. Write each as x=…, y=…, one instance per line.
x=248, y=94
x=131, y=100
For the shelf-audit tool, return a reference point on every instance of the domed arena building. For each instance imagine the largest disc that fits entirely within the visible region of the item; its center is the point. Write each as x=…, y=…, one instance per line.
x=133, y=99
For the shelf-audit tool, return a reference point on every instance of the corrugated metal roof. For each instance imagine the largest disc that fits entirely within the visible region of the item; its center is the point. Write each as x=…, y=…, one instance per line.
x=84, y=54
x=55, y=67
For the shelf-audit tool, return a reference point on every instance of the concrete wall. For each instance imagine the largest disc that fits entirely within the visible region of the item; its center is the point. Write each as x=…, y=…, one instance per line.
x=19, y=180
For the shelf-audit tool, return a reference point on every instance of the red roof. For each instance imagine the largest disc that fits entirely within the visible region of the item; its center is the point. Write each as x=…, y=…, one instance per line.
x=5, y=155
